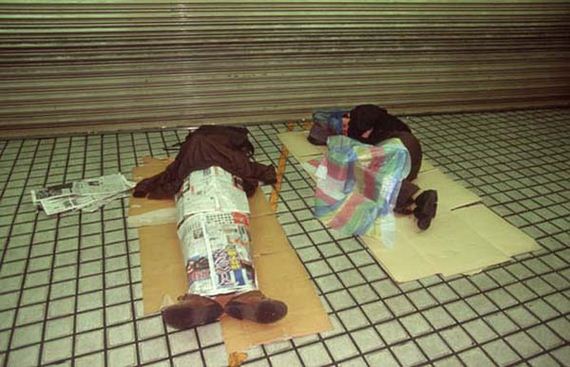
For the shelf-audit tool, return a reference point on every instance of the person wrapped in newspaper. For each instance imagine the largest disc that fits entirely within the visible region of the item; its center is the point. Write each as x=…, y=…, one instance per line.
x=213, y=227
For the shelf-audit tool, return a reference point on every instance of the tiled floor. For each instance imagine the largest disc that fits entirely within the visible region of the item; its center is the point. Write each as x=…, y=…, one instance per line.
x=70, y=291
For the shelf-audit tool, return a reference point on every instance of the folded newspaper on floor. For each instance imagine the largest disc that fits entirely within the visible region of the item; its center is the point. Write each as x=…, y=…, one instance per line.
x=88, y=195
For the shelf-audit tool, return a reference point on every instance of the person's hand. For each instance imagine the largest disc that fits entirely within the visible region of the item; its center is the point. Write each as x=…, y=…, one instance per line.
x=366, y=134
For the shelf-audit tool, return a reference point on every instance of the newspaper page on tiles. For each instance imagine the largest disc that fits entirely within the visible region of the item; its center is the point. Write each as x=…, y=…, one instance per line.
x=87, y=195
x=102, y=186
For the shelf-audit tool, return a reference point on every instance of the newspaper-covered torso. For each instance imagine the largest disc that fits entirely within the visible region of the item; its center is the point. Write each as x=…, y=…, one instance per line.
x=213, y=227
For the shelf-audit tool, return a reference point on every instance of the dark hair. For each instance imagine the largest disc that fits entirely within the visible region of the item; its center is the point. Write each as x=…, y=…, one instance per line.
x=364, y=118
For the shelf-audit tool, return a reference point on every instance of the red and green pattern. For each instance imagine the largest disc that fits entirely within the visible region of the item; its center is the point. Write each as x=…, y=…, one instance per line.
x=357, y=184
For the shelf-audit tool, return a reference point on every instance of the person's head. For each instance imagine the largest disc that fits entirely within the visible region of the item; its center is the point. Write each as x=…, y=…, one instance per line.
x=363, y=118
x=345, y=122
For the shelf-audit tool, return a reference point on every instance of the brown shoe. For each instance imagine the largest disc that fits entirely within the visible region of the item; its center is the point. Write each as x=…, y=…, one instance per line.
x=254, y=306
x=192, y=311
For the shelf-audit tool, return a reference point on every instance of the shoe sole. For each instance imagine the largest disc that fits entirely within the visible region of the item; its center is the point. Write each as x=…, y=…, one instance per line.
x=184, y=316
x=265, y=312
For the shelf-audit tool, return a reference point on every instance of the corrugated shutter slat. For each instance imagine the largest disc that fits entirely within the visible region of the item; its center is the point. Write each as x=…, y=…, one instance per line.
x=154, y=63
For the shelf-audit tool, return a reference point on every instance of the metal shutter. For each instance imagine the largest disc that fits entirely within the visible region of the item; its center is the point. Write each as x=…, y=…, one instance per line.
x=137, y=63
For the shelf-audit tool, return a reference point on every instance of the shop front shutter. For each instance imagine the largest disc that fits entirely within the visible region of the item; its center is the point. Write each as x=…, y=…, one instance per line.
x=117, y=64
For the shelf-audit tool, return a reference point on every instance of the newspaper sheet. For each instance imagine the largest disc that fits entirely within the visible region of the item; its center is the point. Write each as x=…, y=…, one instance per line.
x=103, y=185
x=88, y=195
x=52, y=192
x=211, y=189
x=213, y=227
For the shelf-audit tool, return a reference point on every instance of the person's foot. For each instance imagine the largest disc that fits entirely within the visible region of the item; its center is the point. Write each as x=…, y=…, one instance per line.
x=406, y=198
x=256, y=307
x=192, y=310
x=426, y=208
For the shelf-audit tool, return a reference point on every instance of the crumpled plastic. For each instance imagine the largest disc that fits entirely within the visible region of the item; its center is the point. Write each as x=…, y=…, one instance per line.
x=358, y=185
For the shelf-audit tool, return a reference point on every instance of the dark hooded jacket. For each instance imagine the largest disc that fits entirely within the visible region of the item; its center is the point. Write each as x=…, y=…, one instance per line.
x=223, y=146
x=384, y=126
x=368, y=116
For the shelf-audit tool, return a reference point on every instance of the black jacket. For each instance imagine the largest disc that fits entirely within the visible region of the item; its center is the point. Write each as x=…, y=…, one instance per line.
x=366, y=117
x=223, y=146
x=384, y=126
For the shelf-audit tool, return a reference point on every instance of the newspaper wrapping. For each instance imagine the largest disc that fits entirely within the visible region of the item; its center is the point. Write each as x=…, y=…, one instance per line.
x=213, y=227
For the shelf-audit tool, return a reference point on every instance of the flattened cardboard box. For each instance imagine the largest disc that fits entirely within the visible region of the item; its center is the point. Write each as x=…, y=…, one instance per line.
x=280, y=273
x=465, y=236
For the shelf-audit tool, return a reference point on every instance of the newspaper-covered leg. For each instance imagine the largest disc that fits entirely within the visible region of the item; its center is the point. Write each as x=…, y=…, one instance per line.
x=213, y=227
x=216, y=249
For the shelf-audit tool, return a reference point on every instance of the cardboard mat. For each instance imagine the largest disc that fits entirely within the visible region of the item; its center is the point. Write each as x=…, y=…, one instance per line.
x=464, y=238
x=280, y=273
